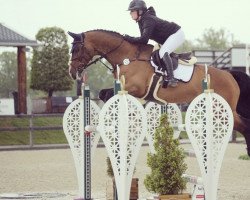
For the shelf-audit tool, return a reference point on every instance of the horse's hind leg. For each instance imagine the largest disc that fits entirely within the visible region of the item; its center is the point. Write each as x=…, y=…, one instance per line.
x=243, y=126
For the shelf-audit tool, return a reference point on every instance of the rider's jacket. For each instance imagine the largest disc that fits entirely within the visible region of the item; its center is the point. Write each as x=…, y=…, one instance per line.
x=154, y=28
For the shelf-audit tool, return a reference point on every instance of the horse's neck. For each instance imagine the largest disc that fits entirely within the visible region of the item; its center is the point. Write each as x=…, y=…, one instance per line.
x=105, y=42
x=116, y=48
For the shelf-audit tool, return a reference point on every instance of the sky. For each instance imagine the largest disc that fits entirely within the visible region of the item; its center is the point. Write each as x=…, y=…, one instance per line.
x=194, y=16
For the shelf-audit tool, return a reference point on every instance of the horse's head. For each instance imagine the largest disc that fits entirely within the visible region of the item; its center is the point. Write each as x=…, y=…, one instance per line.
x=81, y=54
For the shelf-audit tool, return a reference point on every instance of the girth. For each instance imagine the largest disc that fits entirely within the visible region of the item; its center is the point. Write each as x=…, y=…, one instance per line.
x=151, y=94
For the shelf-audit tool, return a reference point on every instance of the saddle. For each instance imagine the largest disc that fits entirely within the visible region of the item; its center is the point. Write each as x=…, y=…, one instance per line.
x=182, y=58
x=182, y=73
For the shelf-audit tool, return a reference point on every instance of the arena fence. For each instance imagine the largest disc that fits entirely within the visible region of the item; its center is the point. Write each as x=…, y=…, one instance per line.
x=31, y=128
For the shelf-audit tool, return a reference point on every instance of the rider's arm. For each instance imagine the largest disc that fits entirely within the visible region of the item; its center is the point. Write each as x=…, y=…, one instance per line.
x=146, y=31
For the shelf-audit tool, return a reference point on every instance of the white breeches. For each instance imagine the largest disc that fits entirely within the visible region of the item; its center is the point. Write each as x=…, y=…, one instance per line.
x=172, y=43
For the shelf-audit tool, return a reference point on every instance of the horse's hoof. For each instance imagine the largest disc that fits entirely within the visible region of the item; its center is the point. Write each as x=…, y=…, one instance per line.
x=106, y=94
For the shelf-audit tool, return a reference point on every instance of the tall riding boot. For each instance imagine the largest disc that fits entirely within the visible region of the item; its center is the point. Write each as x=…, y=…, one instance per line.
x=169, y=67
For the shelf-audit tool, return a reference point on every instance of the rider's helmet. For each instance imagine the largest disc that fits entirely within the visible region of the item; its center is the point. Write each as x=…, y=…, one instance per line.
x=137, y=5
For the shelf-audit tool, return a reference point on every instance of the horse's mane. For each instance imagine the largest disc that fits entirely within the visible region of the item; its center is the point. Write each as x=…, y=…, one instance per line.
x=108, y=31
x=142, y=46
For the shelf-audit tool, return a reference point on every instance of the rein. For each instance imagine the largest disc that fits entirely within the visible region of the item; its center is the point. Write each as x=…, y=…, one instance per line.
x=100, y=60
x=115, y=66
x=104, y=56
x=136, y=58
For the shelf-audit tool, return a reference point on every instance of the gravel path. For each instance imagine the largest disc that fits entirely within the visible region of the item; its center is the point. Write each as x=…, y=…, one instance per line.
x=50, y=174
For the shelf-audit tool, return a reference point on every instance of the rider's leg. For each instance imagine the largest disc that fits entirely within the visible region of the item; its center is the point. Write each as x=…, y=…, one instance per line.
x=169, y=67
x=171, y=44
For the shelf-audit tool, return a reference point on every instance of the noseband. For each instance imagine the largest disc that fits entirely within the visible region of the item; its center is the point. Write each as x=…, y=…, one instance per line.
x=82, y=65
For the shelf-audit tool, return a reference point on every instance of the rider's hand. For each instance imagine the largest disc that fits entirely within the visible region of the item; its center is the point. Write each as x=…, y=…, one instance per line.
x=126, y=37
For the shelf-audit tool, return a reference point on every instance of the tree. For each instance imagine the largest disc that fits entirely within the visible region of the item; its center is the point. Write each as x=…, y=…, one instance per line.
x=98, y=78
x=216, y=39
x=49, y=66
x=185, y=47
x=8, y=73
x=211, y=39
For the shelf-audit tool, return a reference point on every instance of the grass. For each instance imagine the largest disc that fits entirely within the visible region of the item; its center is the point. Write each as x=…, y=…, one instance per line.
x=21, y=137
x=244, y=157
x=40, y=137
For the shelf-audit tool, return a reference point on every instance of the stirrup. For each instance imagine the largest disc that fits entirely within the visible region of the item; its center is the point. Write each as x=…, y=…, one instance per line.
x=172, y=82
x=169, y=82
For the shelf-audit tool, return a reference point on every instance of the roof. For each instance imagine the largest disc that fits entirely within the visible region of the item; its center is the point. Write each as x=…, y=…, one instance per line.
x=11, y=38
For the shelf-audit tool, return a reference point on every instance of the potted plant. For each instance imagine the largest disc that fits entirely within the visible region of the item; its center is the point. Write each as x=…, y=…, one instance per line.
x=167, y=164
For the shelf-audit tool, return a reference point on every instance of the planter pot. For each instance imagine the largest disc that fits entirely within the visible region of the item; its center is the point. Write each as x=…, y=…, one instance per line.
x=175, y=197
x=134, y=191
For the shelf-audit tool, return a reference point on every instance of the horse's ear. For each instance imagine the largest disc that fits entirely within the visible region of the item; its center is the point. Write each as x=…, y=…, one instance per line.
x=76, y=36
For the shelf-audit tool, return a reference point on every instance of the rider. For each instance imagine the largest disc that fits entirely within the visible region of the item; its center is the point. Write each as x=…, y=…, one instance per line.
x=168, y=34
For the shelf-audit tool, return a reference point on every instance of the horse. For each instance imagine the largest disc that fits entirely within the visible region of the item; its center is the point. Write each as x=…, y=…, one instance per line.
x=233, y=86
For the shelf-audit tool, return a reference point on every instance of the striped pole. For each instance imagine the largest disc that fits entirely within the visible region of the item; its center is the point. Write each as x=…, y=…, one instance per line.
x=87, y=142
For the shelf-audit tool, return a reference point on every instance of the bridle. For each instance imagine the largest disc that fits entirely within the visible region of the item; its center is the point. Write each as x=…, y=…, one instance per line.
x=83, y=66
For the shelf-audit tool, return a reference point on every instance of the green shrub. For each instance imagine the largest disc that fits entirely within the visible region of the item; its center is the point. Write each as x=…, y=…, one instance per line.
x=167, y=164
x=244, y=157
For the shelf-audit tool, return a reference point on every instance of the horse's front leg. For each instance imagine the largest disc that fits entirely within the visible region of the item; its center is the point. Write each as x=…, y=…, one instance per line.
x=136, y=78
x=135, y=87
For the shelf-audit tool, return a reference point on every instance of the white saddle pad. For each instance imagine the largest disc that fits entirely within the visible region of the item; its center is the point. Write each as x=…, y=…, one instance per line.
x=183, y=72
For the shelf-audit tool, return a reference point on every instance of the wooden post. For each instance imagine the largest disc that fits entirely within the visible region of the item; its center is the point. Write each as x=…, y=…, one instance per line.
x=22, y=80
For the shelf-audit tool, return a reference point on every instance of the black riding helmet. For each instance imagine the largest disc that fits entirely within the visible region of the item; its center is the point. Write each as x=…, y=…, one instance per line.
x=137, y=5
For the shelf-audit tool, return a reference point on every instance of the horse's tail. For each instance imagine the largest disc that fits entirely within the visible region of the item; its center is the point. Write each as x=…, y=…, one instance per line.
x=243, y=80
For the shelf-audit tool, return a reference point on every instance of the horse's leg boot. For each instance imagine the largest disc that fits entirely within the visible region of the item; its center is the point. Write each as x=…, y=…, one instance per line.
x=247, y=138
x=169, y=67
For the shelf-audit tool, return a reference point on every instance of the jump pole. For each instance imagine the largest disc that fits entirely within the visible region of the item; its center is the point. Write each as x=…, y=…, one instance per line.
x=87, y=142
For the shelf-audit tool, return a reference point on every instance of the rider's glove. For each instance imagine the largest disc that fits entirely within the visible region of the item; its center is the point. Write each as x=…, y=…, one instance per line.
x=127, y=37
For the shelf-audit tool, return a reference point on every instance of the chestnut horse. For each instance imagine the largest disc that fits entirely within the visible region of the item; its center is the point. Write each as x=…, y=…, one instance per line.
x=233, y=86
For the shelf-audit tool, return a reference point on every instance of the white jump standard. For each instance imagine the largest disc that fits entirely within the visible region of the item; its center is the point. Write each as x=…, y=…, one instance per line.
x=123, y=124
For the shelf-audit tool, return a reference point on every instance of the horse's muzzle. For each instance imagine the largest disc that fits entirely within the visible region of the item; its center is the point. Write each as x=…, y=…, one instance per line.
x=75, y=69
